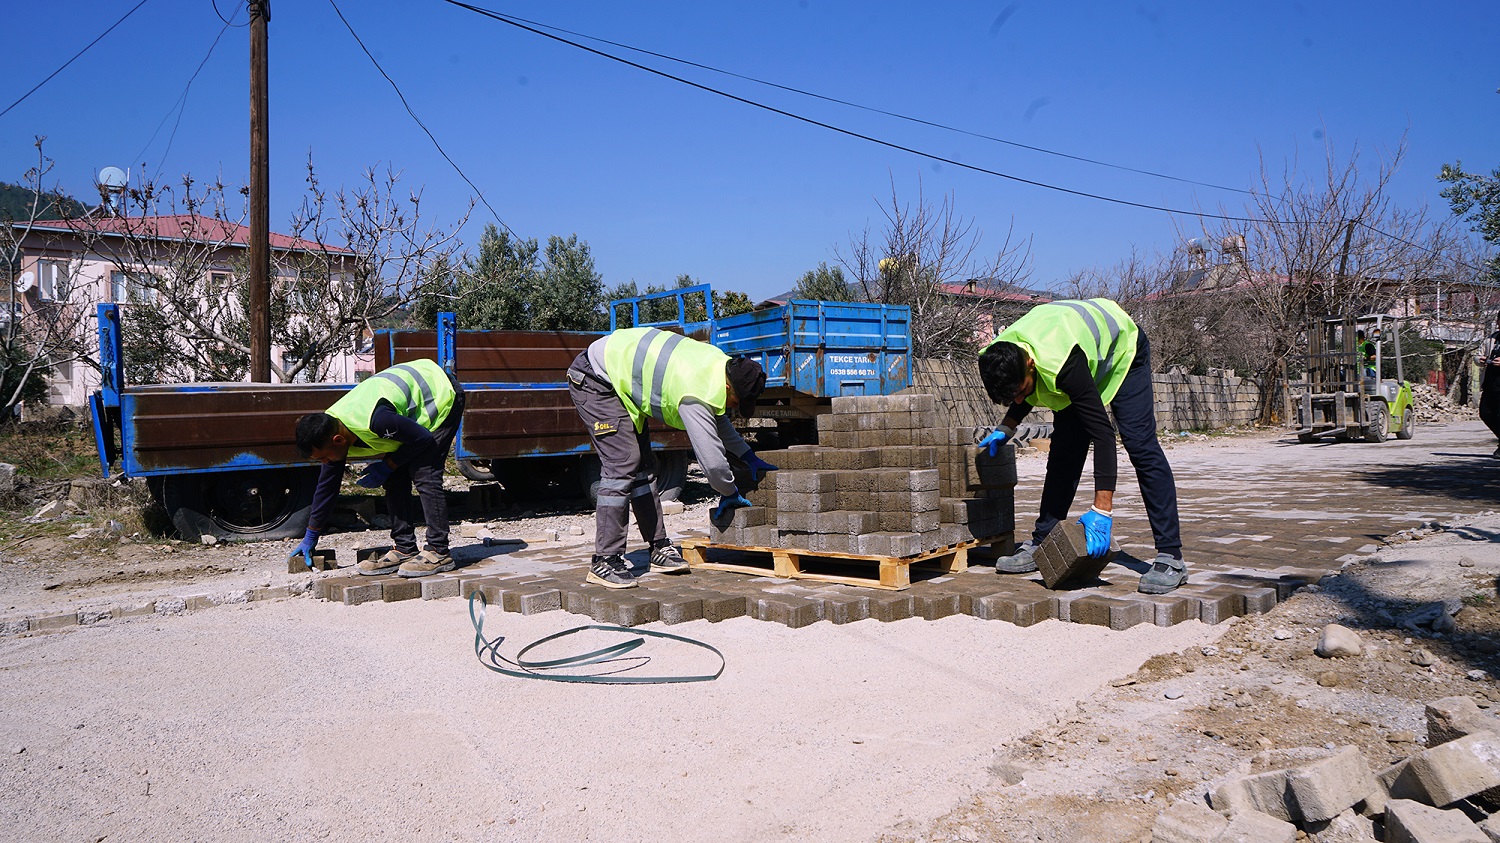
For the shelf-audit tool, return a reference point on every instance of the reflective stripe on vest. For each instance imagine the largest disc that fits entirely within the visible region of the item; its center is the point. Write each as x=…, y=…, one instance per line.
x=654, y=371
x=1048, y=333
x=400, y=386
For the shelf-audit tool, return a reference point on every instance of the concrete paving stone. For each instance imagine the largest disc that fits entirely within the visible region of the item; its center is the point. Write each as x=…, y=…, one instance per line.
x=793, y=612
x=365, y=592
x=805, y=482
x=1107, y=611
x=1328, y=787
x=841, y=608
x=933, y=606
x=467, y=586
x=629, y=610
x=1188, y=821
x=1407, y=821
x=1446, y=773
x=1218, y=604
x=89, y=617
x=531, y=599
x=271, y=592
x=891, y=606
x=400, y=589
x=1258, y=601
x=1170, y=610
x=1016, y=609
x=45, y=623
x=1451, y=718
x=679, y=608
x=718, y=607
x=577, y=598
x=1063, y=557
x=436, y=588
x=198, y=602
x=1255, y=827
x=147, y=607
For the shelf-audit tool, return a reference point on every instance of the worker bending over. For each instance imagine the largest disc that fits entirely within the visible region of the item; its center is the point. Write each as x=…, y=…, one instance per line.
x=622, y=382
x=405, y=417
x=1076, y=358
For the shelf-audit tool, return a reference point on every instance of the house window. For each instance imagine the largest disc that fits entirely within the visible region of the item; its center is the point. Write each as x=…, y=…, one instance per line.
x=129, y=288
x=50, y=281
x=218, y=284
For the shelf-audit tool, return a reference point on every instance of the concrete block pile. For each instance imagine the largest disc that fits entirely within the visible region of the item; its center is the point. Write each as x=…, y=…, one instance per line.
x=1447, y=793
x=888, y=479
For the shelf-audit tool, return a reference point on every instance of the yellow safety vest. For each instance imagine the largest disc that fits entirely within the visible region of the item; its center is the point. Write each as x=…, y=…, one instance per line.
x=419, y=390
x=1104, y=331
x=654, y=371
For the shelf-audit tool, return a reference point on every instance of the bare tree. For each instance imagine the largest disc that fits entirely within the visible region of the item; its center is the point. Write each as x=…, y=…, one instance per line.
x=925, y=258
x=42, y=328
x=1332, y=245
x=354, y=258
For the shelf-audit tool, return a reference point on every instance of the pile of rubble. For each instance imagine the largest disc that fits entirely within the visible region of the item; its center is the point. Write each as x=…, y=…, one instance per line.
x=1432, y=405
x=1447, y=793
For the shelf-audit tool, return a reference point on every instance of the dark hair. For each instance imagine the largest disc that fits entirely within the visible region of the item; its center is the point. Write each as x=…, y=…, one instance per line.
x=313, y=432
x=1002, y=367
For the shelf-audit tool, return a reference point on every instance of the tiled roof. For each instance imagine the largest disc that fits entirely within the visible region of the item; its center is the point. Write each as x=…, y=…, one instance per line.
x=185, y=227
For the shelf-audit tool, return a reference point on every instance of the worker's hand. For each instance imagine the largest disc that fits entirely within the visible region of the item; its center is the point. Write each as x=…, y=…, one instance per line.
x=997, y=437
x=758, y=466
x=309, y=544
x=1097, y=525
x=727, y=505
x=374, y=475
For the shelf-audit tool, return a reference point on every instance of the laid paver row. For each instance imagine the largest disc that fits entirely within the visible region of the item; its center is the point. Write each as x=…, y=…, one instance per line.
x=161, y=606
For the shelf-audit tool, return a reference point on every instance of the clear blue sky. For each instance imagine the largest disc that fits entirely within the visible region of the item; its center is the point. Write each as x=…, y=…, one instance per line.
x=661, y=179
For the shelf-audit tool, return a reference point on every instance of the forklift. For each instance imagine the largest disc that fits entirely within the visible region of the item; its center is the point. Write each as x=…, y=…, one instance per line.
x=1344, y=396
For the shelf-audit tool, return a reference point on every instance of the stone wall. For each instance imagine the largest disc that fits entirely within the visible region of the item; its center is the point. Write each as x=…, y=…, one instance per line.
x=1183, y=402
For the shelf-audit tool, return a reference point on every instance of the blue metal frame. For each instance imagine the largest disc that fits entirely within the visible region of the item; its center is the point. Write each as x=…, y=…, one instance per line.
x=681, y=321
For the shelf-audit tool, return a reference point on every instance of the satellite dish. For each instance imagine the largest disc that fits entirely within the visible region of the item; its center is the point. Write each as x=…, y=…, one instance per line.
x=112, y=177
x=25, y=282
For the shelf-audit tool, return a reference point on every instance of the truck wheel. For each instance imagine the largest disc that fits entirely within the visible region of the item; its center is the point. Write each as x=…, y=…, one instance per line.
x=254, y=505
x=1408, y=424
x=480, y=471
x=1377, y=421
x=671, y=474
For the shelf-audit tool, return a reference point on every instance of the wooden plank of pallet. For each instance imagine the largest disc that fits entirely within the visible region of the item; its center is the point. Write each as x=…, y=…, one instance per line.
x=891, y=572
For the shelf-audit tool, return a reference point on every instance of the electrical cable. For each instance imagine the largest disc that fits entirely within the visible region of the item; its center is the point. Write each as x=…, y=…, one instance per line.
x=180, y=106
x=612, y=657
x=75, y=58
x=418, y=120
x=874, y=110
x=1363, y=224
x=229, y=21
x=839, y=129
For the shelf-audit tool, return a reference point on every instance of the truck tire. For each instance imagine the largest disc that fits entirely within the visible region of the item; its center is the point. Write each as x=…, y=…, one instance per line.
x=1408, y=425
x=1377, y=421
x=480, y=471
x=240, y=506
x=671, y=474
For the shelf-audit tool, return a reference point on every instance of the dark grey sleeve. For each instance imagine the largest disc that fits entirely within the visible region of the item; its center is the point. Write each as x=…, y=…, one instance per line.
x=713, y=437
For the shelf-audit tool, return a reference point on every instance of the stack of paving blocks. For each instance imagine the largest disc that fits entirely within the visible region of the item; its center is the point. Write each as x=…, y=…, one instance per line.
x=888, y=479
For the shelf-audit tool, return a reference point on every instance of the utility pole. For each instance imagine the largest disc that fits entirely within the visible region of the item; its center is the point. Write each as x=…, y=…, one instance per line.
x=260, y=198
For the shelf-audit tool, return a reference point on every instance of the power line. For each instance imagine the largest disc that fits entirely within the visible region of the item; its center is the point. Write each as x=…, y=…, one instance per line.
x=414, y=116
x=180, y=106
x=874, y=110
x=229, y=21
x=1430, y=251
x=75, y=58
x=839, y=129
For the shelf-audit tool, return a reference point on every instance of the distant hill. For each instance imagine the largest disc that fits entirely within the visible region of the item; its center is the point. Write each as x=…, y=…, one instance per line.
x=15, y=204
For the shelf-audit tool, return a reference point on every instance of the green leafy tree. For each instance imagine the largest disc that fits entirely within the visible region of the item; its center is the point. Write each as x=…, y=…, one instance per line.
x=824, y=284
x=1476, y=199
x=510, y=283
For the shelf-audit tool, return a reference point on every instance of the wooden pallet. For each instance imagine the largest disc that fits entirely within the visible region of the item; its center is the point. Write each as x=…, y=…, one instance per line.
x=889, y=572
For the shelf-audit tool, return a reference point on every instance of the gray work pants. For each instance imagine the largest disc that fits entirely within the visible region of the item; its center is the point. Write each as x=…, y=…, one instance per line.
x=425, y=470
x=627, y=468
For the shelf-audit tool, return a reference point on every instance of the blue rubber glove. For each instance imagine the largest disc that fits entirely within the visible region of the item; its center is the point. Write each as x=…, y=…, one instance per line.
x=997, y=437
x=758, y=466
x=726, y=507
x=1097, y=526
x=374, y=475
x=309, y=544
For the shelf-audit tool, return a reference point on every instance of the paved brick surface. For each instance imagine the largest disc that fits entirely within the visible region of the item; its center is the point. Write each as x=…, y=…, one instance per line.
x=1255, y=527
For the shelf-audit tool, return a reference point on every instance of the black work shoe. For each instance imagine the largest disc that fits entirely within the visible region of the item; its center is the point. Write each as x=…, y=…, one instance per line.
x=1166, y=574
x=610, y=572
x=667, y=559
x=1023, y=561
